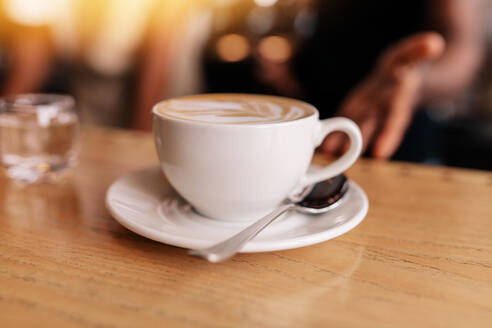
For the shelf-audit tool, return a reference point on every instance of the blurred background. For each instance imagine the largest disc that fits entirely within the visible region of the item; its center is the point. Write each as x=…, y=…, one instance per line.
x=119, y=57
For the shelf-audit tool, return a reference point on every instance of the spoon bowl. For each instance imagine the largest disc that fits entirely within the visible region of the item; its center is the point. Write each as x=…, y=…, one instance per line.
x=322, y=196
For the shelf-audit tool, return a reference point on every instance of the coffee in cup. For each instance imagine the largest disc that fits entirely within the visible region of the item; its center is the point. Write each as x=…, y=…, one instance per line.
x=238, y=156
x=234, y=109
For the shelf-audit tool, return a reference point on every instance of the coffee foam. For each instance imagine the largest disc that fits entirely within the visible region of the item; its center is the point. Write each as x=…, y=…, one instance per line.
x=234, y=109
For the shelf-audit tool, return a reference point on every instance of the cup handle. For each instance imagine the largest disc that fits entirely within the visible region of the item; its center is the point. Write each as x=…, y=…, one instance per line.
x=340, y=165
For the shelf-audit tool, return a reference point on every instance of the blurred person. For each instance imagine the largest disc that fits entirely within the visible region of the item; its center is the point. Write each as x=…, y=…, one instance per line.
x=425, y=68
x=124, y=54
x=104, y=38
x=170, y=56
x=87, y=48
x=375, y=62
x=26, y=51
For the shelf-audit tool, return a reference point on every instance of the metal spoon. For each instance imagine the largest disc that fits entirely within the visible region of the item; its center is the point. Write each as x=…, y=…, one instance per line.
x=314, y=199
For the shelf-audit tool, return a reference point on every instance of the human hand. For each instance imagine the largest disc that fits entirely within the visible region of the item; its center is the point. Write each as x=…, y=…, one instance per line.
x=382, y=104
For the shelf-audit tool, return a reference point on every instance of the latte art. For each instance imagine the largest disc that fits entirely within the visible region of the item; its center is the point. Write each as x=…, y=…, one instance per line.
x=234, y=109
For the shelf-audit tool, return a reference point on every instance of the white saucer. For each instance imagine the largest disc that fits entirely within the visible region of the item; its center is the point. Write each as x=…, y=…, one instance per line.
x=147, y=205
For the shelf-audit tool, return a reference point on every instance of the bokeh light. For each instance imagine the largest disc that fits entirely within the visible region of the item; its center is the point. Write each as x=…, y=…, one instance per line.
x=275, y=48
x=111, y=49
x=265, y=3
x=260, y=20
x=232, y=47
x=31, y=12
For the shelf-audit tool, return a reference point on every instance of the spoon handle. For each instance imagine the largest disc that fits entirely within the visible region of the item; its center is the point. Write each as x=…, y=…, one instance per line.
x=227, y=248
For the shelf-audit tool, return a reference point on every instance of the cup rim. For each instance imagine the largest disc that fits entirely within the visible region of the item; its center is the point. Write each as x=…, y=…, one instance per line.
x=314, y=113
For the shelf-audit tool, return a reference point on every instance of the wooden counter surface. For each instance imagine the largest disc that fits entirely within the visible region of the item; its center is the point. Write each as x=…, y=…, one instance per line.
x=421, y=258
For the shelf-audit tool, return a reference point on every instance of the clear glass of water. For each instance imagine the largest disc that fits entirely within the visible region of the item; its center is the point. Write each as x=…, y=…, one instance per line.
x=39, y=136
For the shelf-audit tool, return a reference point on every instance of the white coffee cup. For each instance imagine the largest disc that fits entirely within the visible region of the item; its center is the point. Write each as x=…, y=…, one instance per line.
x=242, y=171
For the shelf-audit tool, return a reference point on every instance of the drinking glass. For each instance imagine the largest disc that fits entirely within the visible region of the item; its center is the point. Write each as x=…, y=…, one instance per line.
x=39, y=136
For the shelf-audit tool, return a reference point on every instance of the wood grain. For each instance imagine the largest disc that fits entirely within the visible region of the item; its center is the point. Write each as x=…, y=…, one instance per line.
x=422, y=257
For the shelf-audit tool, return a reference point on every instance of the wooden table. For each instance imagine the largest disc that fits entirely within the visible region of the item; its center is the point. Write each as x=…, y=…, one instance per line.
x=422, y=257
